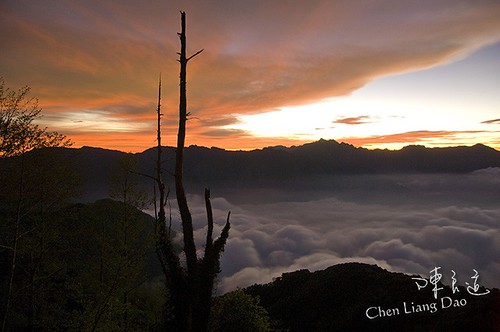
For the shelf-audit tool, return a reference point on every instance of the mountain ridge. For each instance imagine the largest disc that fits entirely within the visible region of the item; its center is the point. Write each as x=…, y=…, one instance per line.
x=320, y=141
x=278, y=166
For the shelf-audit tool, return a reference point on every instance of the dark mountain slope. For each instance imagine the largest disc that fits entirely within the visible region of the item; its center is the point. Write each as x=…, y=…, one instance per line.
x=337, y=299
x=276, y=166
x=82, y=267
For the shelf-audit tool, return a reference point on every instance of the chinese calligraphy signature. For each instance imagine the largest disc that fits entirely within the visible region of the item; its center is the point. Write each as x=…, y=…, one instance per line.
x=435, y=277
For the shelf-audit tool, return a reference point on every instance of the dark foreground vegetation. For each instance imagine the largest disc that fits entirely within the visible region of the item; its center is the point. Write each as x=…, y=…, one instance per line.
x=94, y=268
x=82, y=267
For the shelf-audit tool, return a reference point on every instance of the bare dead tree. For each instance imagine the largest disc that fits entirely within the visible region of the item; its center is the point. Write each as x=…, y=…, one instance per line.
x=169, y=260
x=190, y=287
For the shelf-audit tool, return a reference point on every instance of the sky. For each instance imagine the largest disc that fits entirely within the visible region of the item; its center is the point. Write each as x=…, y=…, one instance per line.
x=376, y=74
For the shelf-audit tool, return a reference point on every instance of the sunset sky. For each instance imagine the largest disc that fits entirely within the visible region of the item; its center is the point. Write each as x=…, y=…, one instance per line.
x=377, y=74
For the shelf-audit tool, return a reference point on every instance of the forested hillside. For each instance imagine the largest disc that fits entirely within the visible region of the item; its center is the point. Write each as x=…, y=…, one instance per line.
x=83, y=267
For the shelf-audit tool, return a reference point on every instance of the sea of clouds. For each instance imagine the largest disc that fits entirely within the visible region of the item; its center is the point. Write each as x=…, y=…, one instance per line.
x=403, y=223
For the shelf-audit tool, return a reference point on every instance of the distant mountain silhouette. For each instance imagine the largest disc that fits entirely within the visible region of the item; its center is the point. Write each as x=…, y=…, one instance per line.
x=331, y=158
x=340, y=297
x=214, y=167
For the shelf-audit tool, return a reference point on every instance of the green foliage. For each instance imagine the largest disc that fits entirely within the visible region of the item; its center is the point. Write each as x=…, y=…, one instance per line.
x=81, y=267
x=116, y=240
x=237, y=311
x=92, y=275
x=35, y=185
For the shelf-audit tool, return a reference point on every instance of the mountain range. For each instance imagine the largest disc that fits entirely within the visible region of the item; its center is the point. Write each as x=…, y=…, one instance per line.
x=336, y=298
x=278, y=164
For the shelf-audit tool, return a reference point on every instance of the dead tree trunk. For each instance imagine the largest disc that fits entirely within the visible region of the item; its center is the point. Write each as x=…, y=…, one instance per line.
x=197, y=281
x=187, y=220
x=170, y=263
x=190, y=287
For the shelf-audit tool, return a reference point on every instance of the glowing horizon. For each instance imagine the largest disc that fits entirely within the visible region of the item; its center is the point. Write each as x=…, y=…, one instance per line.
x=375, y=75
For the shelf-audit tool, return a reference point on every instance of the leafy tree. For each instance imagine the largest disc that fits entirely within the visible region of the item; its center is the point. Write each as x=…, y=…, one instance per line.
x=18, y=132
x=32, y=185
x=125, y=188
x=96, y=283
x=108, y=265
x=238, y=312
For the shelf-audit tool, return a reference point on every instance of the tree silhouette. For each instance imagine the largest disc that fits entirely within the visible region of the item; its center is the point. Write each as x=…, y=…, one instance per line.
x=31, y=186
x=191, y=286
x=240, y=312
x=18, y=132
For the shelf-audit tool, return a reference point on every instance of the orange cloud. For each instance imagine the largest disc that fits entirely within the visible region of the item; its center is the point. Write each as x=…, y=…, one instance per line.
x=354, y=120
x=83, y=56
x=434, y=138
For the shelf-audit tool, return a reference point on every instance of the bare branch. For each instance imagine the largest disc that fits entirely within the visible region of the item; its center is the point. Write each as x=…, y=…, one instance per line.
x=221, y=241
x=192, y=56
x=142, y=174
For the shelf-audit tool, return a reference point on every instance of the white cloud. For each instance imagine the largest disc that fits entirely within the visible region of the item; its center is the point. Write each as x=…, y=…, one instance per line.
x=434, y=224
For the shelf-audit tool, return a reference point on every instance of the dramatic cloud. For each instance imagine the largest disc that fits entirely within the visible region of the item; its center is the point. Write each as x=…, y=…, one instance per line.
x=259, y=55
x=431, y=220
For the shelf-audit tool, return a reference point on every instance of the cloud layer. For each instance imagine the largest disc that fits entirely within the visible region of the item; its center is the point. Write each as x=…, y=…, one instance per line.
x=447, y=221
x=259, y=55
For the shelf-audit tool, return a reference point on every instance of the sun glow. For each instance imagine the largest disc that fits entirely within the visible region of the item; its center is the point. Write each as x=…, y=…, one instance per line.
x=357, y=74
x=335, y=118
x=386, y=113
x=95, y=121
